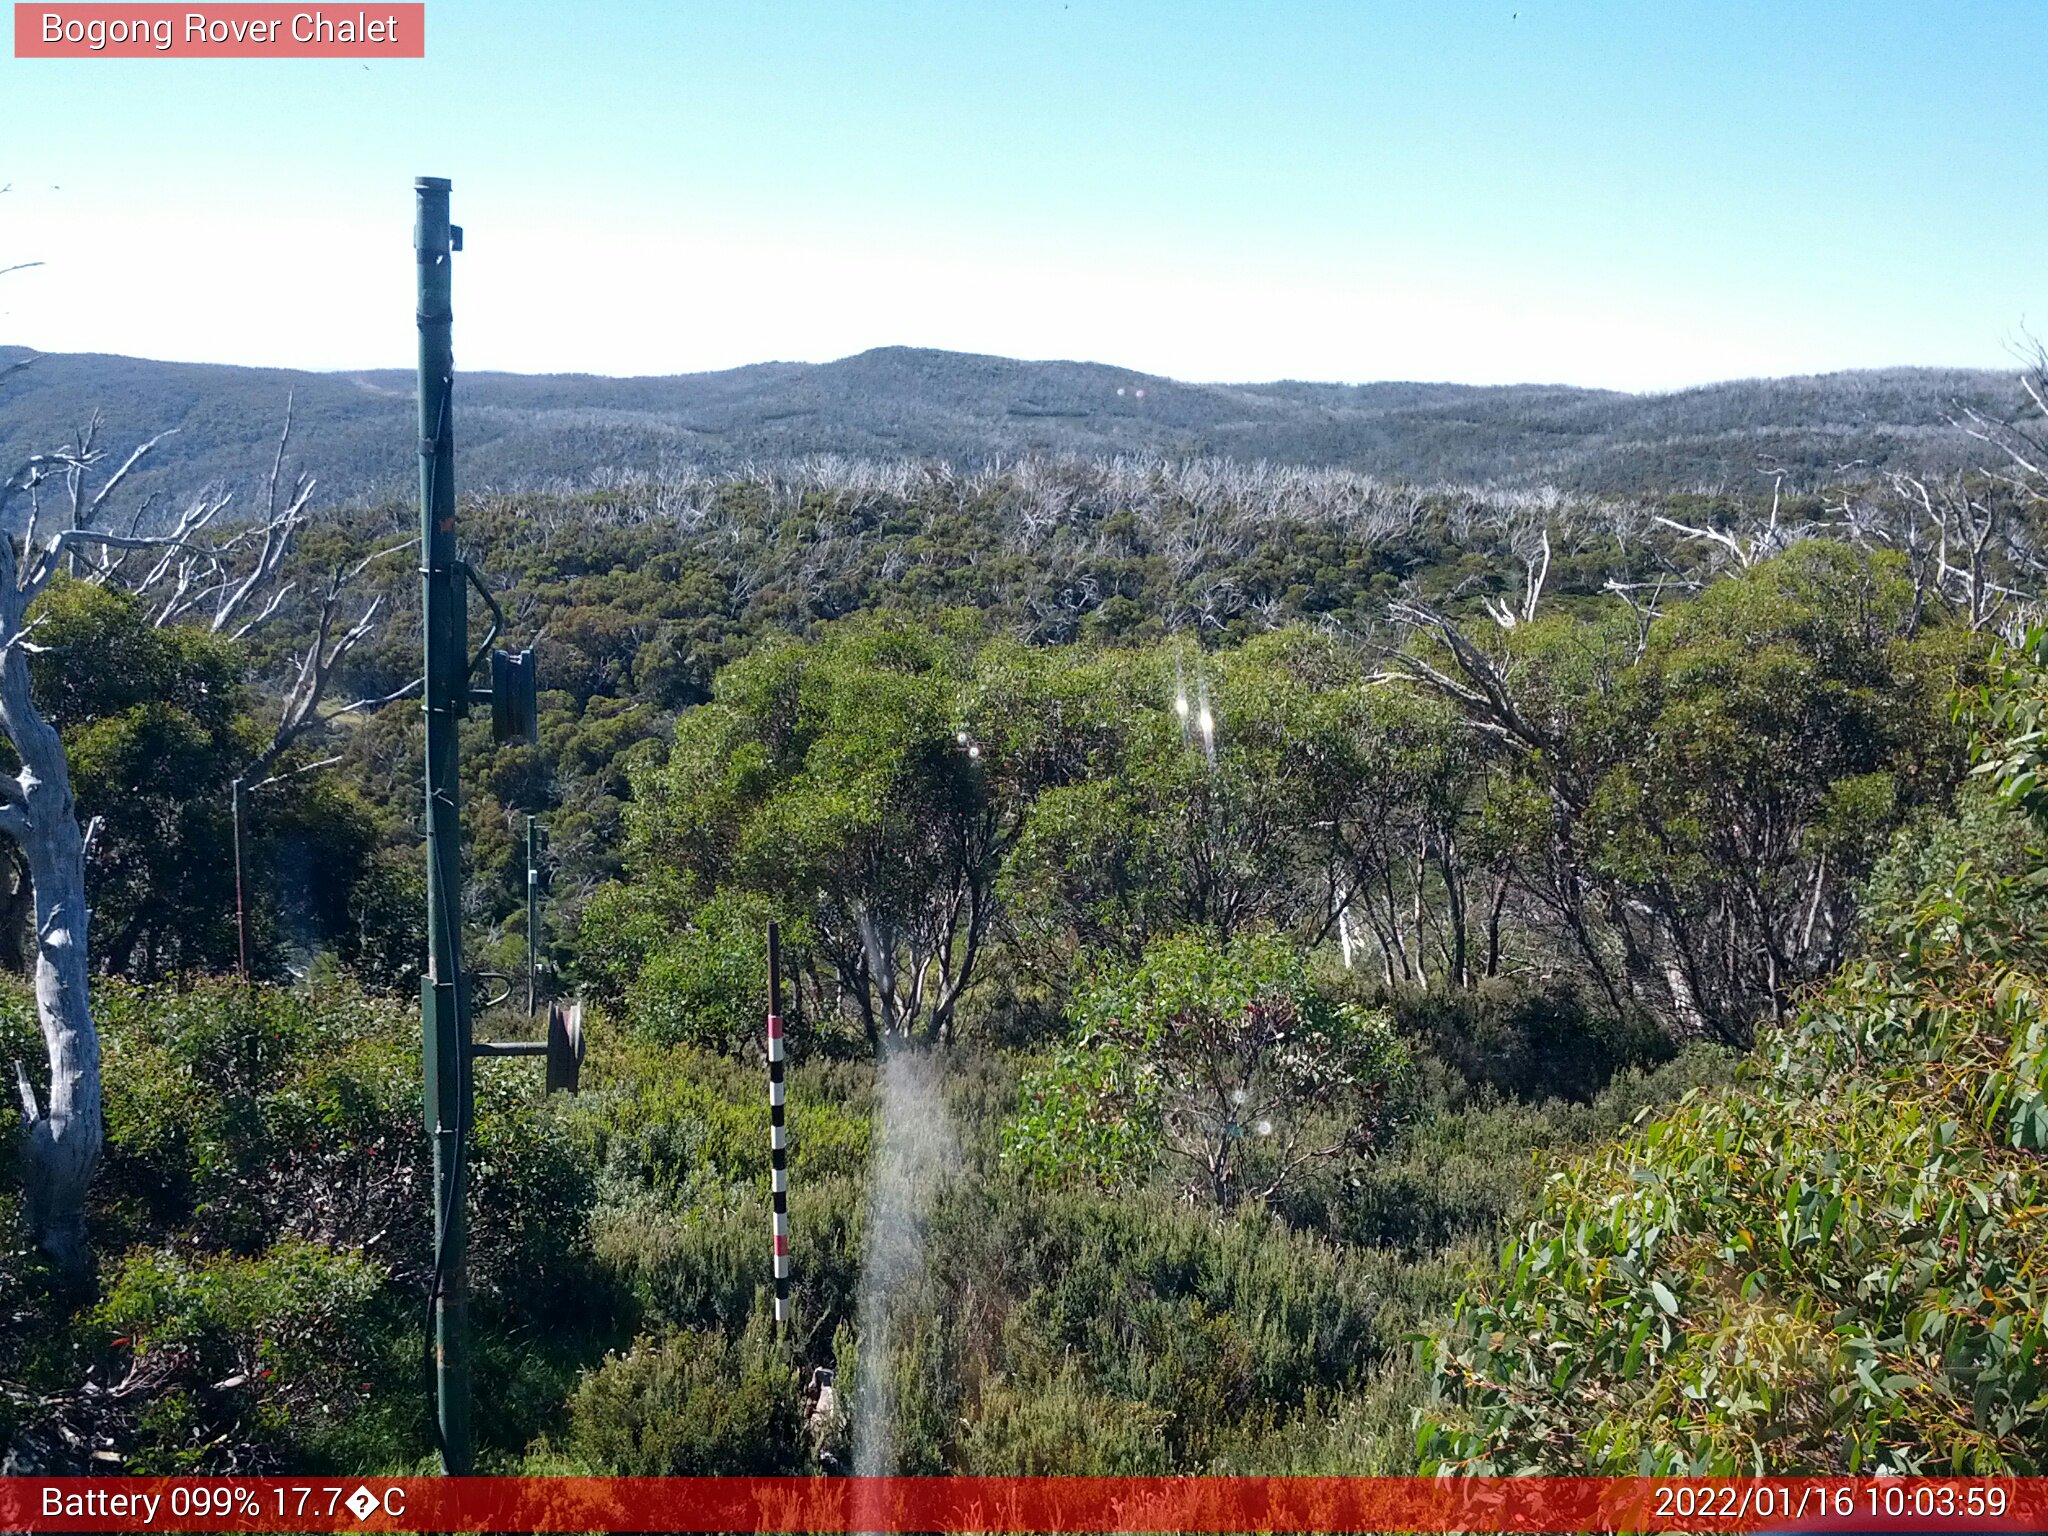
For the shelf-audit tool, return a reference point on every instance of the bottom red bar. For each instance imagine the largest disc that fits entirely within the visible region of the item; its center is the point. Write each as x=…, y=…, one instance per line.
x=1009, y=1504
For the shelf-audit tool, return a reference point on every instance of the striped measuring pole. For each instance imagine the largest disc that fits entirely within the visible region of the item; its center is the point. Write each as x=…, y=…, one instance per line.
x=778, y=1133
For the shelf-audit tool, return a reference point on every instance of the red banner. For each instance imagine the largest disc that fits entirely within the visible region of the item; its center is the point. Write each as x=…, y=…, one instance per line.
x=261, y=31
x=1059, y=1504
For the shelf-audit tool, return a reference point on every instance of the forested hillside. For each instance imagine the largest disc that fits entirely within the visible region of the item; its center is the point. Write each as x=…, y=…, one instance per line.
x=541, y=432
x=1208, y=892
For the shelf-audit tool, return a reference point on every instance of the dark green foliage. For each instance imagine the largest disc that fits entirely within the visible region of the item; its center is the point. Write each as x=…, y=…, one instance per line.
x=264, y=1134
x=868, y=784
x=1231, y=1329
x=1221, y=1056
x=1690, y=848
x=1064, y=1428
x=1465, y=1164
x=673, y=1115
x=149, y=724
x=705, y=983
x=266, y=1160
x=1699, y=799
x=1190, y=1342
x=256, y=1363
x=157, y=723
x=1175, y=827
x=238, y=1116
x=758, y=693
x=1835, y=1265
x=692, y=1405
x=1549, y=1041
x=683, y=1143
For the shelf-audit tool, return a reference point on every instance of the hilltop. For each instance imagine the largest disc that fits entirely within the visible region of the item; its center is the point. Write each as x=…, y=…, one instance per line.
x=525, y=431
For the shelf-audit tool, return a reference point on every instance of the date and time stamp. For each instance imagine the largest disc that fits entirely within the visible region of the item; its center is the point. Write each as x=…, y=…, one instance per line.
x=1677, y=1505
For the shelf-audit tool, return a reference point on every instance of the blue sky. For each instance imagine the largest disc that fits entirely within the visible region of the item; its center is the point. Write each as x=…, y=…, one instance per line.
x=1633, y=195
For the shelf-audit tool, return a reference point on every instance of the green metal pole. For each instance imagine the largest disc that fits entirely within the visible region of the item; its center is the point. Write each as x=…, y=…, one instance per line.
x=241, y=882
x=444, y=993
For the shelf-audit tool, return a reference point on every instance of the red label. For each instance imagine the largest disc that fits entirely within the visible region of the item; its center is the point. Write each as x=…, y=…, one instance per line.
x=264, y=31
x=1725, y=1506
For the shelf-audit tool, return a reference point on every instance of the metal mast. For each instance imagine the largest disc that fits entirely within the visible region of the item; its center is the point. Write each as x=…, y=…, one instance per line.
x=448, y=1043
x=444, y=992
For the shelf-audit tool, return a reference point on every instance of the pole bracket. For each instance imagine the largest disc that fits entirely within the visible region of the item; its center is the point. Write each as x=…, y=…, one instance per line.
x=563, y=1047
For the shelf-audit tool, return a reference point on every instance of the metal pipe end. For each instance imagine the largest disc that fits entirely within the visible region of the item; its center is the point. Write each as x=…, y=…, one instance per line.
x=431, y=183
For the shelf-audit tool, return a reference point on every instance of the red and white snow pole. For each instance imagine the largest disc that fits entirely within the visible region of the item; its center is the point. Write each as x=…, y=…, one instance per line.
x=778, y=1135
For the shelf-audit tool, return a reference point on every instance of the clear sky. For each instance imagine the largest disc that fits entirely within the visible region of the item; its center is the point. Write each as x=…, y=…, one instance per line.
x=1638, y=195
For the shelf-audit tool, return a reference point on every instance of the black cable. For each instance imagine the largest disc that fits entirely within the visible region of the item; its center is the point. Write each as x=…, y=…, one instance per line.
x=456, y=1189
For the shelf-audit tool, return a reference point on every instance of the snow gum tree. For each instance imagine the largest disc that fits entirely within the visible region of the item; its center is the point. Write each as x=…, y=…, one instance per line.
x=224, y=573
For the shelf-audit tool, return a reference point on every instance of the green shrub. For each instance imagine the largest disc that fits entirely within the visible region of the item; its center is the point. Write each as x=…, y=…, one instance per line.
x=692, y=1405
x=1196, y=1337
x=705, y=983
x=705, y=1265
x=239, y=1115
x=1467, y=1163
x=1064, y=1429
x=1530, y=1043
x=684, y=1118
x=244, y=1123
x=1223, y=1056
x=250, y=1364
x=1830, y=1268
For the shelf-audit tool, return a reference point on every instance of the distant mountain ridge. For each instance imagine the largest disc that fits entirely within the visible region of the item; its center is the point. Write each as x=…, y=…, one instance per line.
x=356, y=430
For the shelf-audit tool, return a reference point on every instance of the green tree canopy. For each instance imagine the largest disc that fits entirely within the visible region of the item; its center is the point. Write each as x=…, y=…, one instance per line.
x=1221, y=1057
x=157, y=723
x=868, y=784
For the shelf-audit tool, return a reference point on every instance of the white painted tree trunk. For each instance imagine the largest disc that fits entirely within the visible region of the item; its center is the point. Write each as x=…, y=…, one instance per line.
x=62, y=1146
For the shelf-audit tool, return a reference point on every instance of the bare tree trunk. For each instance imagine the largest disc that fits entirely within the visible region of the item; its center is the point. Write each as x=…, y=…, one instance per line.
x=1416, y=915
x=1454, y=906
x=1379, y=935
x=62, y=1147
x=1493, y=914
x=1394, y=919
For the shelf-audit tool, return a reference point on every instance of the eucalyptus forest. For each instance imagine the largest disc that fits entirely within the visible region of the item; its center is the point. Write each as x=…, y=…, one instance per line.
x=1285, y=971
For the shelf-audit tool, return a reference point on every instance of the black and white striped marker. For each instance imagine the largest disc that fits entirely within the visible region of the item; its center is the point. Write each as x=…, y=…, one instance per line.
x=778, y=1135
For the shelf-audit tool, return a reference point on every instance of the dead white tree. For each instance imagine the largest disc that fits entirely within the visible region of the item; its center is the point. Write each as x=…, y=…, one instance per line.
x=196, y=571
x=1962, y=541
x=235, y=583
x=1535, y=557
x=1645, y=602
x=1752, y=545
x=1974, y=540
x=2010, y=520
x=61, y=1147
x=1474, y=681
